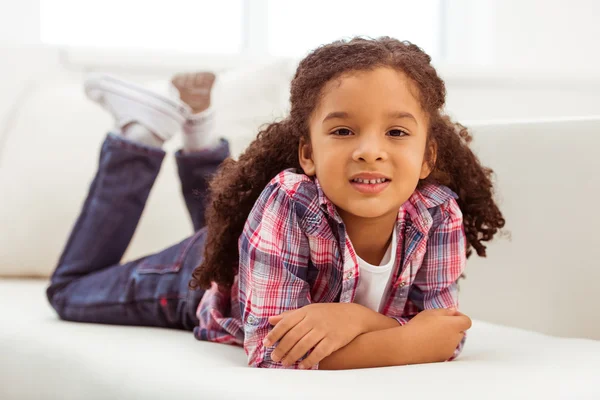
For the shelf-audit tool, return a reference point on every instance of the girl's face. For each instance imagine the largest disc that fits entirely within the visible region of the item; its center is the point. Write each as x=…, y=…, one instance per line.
x=368, y=137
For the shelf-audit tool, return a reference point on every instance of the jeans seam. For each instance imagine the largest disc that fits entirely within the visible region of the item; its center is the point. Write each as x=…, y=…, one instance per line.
x=179, y=260
x=101, y=305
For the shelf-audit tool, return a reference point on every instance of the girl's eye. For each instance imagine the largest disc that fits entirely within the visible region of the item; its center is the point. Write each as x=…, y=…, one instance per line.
x=342, y=132
x=397, y=133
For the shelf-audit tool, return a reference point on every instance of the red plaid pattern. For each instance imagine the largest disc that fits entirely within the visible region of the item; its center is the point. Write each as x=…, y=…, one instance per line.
x=294, y=251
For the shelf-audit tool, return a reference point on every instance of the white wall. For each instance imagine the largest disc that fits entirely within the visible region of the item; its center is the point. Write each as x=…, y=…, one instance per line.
x=553, y=35
x=19, y=22
x=25, y=62
x=532, y=34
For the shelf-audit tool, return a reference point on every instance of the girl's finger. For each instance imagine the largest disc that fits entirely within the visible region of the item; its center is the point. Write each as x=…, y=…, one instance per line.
x=289, y=340
x=274, y=320
x=282, y=328
x=310, y=340
x=322, y=350
x=462, y=322
x=282, y=315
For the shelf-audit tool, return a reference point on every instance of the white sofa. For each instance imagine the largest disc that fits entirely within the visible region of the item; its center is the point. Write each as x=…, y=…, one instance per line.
x=534, y=301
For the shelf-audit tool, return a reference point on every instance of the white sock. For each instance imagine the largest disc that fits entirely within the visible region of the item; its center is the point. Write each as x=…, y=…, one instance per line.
x=137, y=132
x=199, y=132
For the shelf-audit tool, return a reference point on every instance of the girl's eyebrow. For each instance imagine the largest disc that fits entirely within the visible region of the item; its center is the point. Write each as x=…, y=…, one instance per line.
x=336, y=114
x=402, y=115
x=393, y=114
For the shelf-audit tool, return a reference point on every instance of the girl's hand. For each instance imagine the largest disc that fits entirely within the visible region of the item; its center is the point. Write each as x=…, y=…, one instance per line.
x=434, y=334
x=325, y=326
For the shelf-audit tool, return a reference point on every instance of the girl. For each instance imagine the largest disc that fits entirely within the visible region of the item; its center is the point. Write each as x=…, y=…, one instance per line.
x=335, y=241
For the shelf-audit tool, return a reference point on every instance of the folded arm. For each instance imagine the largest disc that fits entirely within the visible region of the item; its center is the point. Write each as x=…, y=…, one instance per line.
x=382, y=348
x=434, y=287
x=274, y=255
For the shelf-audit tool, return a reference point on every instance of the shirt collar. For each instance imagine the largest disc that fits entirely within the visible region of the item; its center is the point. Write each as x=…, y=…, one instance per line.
x=326, y=205
x=426, y=196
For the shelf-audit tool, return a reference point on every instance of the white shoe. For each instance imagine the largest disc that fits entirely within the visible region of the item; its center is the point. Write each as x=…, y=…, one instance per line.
x=129, y=102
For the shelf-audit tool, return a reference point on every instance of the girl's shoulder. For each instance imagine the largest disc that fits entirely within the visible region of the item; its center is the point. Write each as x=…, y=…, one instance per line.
x=434, y=195
x=293, y=182
x=299, y=192
x=433, y=203
x=298, y=188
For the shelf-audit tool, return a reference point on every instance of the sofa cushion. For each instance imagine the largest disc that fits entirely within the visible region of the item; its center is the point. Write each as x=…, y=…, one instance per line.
x=76, y=361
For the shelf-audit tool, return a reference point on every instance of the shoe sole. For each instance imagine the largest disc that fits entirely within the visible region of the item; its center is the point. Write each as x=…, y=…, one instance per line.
x=106, y=83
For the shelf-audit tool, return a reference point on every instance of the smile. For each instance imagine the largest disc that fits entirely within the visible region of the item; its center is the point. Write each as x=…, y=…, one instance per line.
x=370, y=181
x=370, y=186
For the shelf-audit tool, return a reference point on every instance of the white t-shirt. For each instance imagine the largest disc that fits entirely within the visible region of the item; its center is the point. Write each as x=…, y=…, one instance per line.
x=373, y=280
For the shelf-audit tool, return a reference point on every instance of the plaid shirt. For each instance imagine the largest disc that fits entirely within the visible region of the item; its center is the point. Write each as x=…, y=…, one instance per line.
x=294, y=251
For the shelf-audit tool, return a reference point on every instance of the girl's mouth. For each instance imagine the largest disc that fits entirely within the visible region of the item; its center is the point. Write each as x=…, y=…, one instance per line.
x=370, y=186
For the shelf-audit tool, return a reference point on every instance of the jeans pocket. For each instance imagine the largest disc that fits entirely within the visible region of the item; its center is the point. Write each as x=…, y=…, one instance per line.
x=151, y=267
x=172, y=259
x=167, y=261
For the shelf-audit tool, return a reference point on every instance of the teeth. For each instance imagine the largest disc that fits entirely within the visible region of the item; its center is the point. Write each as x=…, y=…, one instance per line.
x=369, y=181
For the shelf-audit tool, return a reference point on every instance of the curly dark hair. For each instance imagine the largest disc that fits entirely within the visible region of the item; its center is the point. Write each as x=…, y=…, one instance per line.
x=238, y=184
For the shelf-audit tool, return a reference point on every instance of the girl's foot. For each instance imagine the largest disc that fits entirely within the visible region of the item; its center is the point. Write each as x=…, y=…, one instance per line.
x=195, y=90
x=140, y=114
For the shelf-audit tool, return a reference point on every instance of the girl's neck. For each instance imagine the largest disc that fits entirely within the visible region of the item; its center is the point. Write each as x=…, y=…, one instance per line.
x=370, y=237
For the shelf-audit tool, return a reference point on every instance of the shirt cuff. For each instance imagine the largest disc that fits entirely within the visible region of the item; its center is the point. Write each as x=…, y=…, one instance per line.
x=267, y=362
x=458, y=349
x=275, y=365
x=402, y=320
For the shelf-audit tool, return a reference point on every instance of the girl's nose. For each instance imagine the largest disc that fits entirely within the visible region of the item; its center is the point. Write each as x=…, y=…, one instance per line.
x=369, y=149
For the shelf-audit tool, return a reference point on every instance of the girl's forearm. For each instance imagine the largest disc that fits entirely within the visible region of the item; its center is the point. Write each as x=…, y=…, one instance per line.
x=372, y=321
x=382, y=348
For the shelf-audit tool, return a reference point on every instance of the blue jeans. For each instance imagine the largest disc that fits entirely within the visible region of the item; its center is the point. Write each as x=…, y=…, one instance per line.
x=91, y=285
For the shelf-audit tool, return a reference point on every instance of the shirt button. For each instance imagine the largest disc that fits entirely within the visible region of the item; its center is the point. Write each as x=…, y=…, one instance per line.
x=349, y=274
x=401, y=285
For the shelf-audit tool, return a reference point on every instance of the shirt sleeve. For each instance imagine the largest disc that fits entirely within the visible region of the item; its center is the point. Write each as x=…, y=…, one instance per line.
x=274, y=257
x=435, y=284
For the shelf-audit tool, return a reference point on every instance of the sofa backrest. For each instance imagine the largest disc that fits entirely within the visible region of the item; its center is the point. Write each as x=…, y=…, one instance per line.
x=546, y=276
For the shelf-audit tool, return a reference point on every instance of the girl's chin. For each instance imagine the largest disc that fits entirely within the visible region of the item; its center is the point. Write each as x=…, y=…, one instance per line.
x=373, y=211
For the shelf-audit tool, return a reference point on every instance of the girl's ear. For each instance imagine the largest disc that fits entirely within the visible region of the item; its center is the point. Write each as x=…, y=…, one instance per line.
x=305, y=157
x=429, y=160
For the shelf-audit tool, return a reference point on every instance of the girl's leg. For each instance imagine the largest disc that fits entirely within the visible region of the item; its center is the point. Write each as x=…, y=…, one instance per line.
x=89, y=284
x=202, y=151
x=195, y=170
